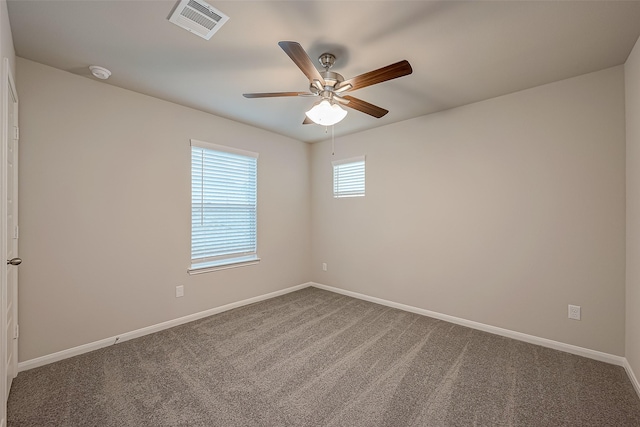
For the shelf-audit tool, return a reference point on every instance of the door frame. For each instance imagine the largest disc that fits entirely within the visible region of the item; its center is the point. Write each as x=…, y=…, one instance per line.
x=7, y=87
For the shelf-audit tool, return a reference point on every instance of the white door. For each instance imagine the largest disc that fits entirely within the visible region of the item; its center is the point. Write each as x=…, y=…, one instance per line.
x=9, y=212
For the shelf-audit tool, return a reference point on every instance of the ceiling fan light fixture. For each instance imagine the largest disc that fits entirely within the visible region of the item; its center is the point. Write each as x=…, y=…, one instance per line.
x=325, y=113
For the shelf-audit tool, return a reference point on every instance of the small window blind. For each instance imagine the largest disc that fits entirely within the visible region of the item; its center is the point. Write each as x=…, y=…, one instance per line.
x=349, y=177
x=223, y=205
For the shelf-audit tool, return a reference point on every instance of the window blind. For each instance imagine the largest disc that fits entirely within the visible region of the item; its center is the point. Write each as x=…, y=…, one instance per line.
x=223, y=203
x=349, y=177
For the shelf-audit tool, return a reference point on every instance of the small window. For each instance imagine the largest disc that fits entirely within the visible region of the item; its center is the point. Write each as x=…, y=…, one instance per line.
x=348, y=177
x=223, y=207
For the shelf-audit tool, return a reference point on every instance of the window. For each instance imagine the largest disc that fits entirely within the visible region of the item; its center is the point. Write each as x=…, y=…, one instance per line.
x=348, y=177
x=223, y=207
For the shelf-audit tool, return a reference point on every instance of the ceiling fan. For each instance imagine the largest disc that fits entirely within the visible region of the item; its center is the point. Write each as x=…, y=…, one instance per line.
x=331, y=86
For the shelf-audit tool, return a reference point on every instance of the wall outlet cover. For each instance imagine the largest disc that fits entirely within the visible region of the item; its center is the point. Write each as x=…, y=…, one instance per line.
x=574, y=312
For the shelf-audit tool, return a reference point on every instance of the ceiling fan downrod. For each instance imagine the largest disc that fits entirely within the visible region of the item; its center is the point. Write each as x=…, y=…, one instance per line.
x=331, y=79
x=327, y=60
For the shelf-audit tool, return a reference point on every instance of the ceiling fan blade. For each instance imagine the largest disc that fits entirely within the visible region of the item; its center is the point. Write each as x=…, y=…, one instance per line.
x=390, y=72
x=365, y=107
x=302, y=60
x=307, y=121
x=276, y=94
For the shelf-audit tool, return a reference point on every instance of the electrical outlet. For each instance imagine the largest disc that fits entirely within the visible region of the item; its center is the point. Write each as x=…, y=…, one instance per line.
x=179, y=291
x=324, y=266
x=574, y=312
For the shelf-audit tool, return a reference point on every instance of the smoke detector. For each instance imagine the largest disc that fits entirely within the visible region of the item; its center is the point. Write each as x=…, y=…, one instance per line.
x=198, y=17
x=100, y=72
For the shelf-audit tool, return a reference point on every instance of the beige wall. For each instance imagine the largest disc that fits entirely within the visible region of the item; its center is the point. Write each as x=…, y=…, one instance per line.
x=502, y=212
x=632, y=86
x=105, y=211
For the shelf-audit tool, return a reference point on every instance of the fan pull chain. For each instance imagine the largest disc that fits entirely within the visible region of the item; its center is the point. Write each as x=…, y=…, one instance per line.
x=333, y=143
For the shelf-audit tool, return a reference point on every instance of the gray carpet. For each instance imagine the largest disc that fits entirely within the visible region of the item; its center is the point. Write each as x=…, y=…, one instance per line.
x=316, y=358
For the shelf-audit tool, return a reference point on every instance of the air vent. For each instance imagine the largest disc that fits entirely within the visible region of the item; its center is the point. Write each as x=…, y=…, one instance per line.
x=198, y=17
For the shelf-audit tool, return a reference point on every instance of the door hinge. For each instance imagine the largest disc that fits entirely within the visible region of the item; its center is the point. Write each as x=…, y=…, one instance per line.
x=16, y=333
x=16, y=132
x=16, y=232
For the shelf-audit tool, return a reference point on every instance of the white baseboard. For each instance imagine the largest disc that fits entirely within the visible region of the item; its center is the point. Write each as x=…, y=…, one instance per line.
x=632, y=376
x=532, y=339
x=85, y=348
x=568, y=348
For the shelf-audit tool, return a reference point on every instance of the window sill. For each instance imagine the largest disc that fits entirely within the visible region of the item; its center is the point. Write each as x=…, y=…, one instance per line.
x=206, y=267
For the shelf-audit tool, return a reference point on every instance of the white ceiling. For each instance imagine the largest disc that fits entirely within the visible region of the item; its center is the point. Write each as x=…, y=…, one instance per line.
x=461, y=52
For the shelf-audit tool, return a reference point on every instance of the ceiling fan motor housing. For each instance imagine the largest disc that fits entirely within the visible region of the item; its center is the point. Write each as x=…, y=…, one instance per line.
x=331, y=79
